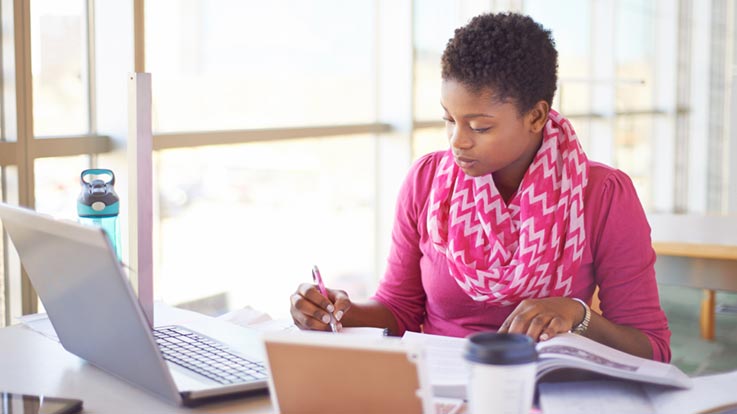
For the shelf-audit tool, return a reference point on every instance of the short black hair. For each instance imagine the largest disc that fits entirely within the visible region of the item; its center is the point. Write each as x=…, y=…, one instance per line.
x=509, y=53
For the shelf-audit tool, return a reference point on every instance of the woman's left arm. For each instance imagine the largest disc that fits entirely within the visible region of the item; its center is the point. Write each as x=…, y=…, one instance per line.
x=542, y=319
x=618, y=234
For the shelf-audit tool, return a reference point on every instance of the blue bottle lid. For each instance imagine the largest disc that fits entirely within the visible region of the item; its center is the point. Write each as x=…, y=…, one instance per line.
x=98, y=197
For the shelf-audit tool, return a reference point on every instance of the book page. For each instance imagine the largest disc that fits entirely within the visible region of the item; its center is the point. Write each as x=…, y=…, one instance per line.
x=602, y=397
x=575, y=351
x=447, y=370
x=707, y=393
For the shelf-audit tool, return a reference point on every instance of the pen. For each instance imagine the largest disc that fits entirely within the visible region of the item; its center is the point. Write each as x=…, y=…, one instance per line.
x=317, y=278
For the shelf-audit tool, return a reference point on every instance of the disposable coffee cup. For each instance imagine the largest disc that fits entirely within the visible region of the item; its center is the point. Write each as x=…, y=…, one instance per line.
x=502, y=373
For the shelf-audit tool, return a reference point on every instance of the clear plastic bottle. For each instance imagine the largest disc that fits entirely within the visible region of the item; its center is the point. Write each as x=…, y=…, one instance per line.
x=99, y=205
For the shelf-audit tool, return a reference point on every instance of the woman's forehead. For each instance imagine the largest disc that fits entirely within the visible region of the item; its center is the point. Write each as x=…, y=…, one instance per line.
x=453, y=90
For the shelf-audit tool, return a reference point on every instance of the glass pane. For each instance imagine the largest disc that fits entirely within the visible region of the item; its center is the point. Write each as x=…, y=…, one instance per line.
x=247, y=222
x=58, y=56
x=434, y=25
x=236, y=65
x=634, y=53
x=7, y=80
x=435, y=21
x=57, y=185
x=635, y=22
x=427, y=140
x=634, y=153
x=582, y=126
x=569, y=23
x=11, y=307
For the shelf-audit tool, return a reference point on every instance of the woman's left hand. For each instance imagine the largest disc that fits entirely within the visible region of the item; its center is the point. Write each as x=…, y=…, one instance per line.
x=542, y=319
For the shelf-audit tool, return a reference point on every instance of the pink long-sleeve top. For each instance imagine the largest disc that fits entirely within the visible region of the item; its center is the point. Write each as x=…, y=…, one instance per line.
x=419, y=290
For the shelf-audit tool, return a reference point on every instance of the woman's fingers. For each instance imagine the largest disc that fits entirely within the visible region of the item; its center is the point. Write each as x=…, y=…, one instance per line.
x=537, y=325
x=341, y=301
x=540, y=319
x=555, y=326
x=311, y=310
x=312, y=293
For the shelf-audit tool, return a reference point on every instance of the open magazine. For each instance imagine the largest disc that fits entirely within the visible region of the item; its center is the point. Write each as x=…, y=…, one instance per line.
x=448, y=371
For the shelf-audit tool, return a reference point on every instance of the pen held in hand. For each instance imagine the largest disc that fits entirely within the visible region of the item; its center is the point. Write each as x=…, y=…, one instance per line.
x=317, y=278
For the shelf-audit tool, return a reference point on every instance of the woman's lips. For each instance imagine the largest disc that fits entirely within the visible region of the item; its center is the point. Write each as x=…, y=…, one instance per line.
x=464, y=162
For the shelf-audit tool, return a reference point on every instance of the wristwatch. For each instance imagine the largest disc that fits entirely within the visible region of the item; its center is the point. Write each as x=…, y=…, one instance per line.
x=584, y=325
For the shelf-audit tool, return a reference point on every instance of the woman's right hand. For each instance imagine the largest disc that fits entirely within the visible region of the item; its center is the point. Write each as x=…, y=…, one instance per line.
x=311, y=310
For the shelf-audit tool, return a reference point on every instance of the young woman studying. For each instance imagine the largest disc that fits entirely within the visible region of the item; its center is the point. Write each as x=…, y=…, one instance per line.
x=512, y=228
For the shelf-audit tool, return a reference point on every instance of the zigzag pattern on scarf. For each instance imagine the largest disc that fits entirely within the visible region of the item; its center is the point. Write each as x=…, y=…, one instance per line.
x=531, y=247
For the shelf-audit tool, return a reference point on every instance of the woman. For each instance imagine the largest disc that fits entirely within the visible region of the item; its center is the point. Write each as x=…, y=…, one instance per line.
x=512, y=228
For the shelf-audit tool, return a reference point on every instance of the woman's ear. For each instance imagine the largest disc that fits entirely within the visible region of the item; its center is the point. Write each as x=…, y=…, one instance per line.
x=538, y=116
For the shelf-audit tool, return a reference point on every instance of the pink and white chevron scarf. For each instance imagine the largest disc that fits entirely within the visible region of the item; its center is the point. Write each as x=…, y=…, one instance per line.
x=530, y=248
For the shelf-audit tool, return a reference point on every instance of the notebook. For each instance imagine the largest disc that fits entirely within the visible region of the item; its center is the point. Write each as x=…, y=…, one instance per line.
x=325, y=372
x=97, y=317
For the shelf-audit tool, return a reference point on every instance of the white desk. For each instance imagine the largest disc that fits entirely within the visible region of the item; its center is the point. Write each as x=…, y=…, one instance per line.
x=699, y=252
x=33, y=364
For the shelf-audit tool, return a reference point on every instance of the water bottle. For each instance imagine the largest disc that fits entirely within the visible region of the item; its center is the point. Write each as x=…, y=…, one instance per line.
x=98, y=204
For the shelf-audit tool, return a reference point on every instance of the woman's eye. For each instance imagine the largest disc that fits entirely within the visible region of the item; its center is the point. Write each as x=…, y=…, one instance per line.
x=449, y=120
x=480, y=130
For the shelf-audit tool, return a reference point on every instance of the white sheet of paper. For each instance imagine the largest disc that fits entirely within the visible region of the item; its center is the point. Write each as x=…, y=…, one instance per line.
x=447, y=370
x=603, y=397
x=39, y=322
x=709, y=391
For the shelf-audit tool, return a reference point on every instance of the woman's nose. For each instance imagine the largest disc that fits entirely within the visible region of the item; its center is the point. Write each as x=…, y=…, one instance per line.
x=459, y=139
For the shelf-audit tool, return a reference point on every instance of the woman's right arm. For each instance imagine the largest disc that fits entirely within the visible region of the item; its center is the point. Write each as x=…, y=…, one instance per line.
x=399, y=302
x=311, y=310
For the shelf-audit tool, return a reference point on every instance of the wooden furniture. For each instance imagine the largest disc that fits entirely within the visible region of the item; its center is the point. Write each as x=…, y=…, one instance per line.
x=699, y=252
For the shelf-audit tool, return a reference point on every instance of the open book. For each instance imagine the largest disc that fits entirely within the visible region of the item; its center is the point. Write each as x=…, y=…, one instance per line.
x=448, y=371
x=709, y=394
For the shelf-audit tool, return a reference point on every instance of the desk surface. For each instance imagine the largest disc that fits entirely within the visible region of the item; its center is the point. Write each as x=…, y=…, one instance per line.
x=33, y=364
x=705, y=237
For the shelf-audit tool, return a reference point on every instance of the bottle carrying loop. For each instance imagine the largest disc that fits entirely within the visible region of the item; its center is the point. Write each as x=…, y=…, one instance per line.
x=99, y=205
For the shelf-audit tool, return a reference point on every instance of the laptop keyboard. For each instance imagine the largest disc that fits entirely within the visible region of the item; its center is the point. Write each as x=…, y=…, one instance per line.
x=206, y=357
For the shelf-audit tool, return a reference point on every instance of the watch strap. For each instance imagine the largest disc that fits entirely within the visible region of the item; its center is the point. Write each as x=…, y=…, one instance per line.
x=584, y=325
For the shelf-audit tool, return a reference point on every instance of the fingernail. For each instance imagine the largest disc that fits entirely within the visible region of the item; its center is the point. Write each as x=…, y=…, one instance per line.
x=331, y=308
x=544, y=337
x=338, y=315
x=325, y=319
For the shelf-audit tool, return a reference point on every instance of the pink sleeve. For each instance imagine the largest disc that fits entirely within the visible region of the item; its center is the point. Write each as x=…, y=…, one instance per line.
x=401, y=289
x=624, y=263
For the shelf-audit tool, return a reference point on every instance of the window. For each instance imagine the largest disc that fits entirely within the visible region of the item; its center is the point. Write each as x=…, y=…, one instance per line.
x=231, y=65
x=57, y=184
x=59, y=65
x=282, y=205
x=247, y=222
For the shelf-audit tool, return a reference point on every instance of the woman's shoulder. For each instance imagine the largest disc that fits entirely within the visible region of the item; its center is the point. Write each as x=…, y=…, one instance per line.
x=604, y=178
x=427, y=164
x=418, y=182
x=423, y=169
x=608, y=188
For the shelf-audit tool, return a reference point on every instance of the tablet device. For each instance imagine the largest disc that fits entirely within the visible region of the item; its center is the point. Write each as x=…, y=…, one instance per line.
x=11, y=403
x=322, y=372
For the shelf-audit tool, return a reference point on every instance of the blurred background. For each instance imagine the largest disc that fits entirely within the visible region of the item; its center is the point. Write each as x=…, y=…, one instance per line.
x=282, y=129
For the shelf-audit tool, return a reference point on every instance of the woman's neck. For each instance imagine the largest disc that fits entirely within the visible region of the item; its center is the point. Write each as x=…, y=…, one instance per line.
x=508, y=179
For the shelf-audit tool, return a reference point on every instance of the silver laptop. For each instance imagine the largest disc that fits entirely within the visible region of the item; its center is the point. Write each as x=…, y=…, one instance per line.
x=97, y=317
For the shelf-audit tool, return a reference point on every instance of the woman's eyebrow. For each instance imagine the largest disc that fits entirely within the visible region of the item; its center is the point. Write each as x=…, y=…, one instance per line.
x=468, y=116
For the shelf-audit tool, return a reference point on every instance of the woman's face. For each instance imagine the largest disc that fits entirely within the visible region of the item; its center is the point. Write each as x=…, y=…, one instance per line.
x=488, y=136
